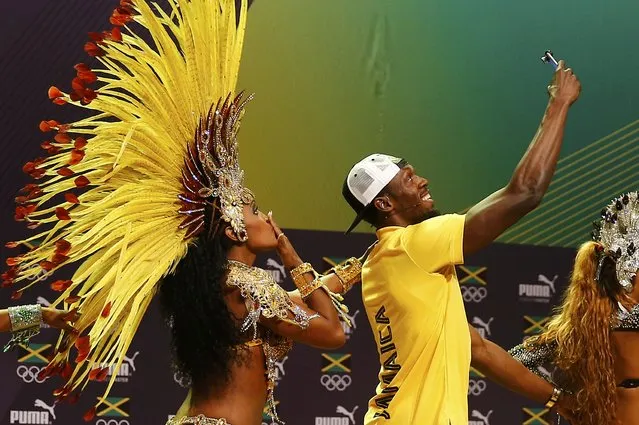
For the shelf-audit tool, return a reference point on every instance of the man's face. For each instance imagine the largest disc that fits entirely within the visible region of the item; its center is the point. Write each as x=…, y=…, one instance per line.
x=410, y=196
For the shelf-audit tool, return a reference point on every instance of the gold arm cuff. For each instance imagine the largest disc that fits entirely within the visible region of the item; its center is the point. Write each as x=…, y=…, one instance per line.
x=309, y=287
x=349, y=273
x=297, y=274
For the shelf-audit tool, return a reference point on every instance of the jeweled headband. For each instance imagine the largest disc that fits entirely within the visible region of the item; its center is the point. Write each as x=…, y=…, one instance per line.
x=618, y=233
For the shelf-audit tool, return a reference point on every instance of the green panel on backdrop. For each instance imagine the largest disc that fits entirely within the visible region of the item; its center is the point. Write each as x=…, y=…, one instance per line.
x=456, y=87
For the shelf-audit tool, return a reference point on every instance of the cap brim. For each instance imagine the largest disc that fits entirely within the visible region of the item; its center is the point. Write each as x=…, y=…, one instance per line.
x=357, y=220
x=353, y=202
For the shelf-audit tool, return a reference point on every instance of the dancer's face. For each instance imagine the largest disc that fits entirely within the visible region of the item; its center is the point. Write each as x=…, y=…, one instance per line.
x=261, y=236
x=407, y=197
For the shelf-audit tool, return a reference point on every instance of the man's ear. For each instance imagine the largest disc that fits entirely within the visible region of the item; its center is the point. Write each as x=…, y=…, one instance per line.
x=383, y=204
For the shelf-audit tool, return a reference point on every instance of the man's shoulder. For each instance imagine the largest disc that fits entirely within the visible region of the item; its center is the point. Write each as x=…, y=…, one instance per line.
x=439, y=222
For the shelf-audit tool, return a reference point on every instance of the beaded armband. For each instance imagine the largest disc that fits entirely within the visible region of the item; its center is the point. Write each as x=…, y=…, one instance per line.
x=25, y=324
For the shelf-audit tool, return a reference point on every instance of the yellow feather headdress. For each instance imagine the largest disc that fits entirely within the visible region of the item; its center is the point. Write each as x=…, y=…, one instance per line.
x=128, y=228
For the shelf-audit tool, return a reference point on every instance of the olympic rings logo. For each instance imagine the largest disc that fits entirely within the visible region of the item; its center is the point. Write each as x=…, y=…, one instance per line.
x=112, y=422
x=41, y=273
x=476, y=386
x=336, y=382
x=29, y=374
x=474, y=294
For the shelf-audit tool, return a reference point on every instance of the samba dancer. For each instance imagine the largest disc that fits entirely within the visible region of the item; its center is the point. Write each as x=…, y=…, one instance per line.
x=154, y=200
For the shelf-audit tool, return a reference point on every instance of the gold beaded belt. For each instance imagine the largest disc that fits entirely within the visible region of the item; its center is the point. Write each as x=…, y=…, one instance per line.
x=196, y=420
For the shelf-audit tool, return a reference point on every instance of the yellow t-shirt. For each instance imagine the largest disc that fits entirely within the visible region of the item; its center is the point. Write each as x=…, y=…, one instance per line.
x=415, y=308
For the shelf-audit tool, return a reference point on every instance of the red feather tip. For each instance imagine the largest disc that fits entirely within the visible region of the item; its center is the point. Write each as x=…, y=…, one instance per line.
x=80, y=143
x=71, y=198
x=61, y=285
x=81, y=181
x=62, y=214
x=106, y=310
x=54, y=92
x=89, y=415
x=76, y=156
x=65, y=172
x=62, y=247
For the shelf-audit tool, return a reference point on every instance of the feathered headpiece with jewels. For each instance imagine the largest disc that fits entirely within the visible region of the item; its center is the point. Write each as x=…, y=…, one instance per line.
x=123, y=193
x=618, y=233
x=213, y=171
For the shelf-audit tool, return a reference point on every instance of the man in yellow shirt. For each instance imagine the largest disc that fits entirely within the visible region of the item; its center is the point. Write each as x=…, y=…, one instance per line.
x=410, y=289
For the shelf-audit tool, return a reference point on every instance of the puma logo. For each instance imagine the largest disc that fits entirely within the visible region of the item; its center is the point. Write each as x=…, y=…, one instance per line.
x=543, y=279
x=485, y=326
x=349, y=329
x=272, y=263
x=478, y=415
x=279, y=274
x=351, y=415
x=131, y=360
x=42, y=405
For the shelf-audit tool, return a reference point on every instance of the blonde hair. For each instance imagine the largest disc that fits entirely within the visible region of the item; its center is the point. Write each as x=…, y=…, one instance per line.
x=581, y=328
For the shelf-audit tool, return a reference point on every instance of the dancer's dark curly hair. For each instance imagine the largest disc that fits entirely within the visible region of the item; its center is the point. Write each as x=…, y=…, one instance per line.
x=205, y=335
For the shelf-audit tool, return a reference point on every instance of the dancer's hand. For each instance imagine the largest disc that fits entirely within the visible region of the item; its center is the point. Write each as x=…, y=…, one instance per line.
x=565, y=86
x=285, y=249
x=565, y=407
x=60, y=319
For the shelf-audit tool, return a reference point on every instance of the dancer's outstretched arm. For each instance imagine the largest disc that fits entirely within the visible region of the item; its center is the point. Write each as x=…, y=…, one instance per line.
x=53, y=317
x=494, y=362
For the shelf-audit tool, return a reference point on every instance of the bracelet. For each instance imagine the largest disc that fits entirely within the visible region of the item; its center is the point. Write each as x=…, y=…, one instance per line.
x=26, y=321
x=554, y=398
x=297, y=274
x=310, y=287
x=302, y=318
x=348, y=273
x=25, y=316
x=300, y=270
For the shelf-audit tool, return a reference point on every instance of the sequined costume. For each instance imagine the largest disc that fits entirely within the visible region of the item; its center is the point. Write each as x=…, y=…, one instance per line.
x=539, y=358
x=628, y=320
x=264, y=297
x=197, y=420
